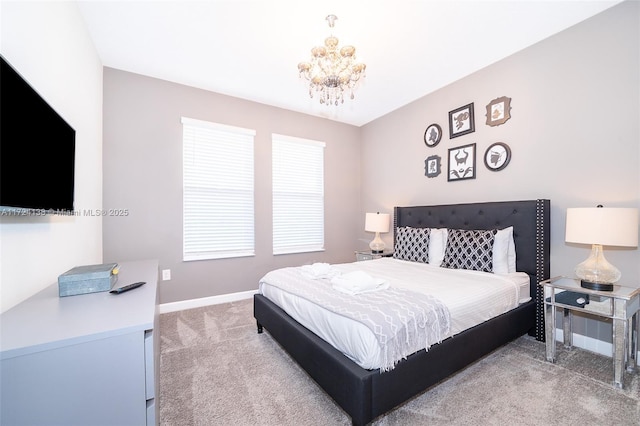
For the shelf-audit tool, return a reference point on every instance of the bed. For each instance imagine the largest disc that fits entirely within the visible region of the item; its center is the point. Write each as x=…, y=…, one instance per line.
x=365, y=394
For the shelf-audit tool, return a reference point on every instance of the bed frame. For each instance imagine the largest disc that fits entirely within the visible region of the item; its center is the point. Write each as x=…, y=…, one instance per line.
x=367, y=394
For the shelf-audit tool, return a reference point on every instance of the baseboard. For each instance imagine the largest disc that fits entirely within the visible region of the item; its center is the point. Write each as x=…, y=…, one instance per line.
x=205, y=301
x=589, y=344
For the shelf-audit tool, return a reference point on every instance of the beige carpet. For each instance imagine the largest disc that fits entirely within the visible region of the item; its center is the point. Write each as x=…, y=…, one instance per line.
x=216, y=370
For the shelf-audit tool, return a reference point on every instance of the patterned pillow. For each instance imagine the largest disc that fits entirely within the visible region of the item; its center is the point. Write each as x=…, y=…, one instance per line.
x=412, y=244
x=468, y=249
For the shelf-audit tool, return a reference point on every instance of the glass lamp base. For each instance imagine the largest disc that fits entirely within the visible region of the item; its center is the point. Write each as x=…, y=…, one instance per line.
x=596, y=273
x=377, y=245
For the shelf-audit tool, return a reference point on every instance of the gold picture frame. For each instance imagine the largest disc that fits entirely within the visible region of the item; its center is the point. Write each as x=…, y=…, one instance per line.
x=498, y=111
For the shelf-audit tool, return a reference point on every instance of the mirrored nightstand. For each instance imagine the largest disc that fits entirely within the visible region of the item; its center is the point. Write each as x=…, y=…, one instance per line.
x=622, y=306
x=369, y=255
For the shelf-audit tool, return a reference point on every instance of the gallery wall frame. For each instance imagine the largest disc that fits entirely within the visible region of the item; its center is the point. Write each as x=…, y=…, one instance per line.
x=498, y=111
x=461, y=163
x=432, y=135
x=432, y=166
x=461, y=121
x=497, y=156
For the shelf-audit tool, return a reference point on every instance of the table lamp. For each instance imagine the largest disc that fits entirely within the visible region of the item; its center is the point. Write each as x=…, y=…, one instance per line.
x=601, y=226
x=376, y=222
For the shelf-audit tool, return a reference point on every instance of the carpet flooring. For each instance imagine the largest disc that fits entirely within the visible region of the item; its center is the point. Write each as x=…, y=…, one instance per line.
x=216, y=370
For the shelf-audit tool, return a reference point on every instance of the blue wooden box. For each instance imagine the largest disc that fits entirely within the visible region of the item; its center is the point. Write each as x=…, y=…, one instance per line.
x=88, y=279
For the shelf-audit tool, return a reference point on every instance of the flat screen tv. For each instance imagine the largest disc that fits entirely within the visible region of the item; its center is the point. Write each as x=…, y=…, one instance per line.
x=37, y=150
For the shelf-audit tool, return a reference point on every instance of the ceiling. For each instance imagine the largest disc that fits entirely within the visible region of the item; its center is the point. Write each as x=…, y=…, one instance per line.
x=251, y=48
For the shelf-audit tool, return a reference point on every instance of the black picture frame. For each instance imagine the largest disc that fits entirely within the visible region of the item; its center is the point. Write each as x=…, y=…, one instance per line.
x=498, y=111
x=497, y=156
x=461, y=121
x=462, y=163
x=432, y=166
x=432, y=135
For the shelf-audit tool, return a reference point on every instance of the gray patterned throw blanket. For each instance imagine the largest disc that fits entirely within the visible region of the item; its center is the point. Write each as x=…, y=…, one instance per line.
x=395, y=316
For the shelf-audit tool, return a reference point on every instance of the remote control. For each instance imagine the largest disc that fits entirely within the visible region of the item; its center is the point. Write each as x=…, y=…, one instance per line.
x=127, y=287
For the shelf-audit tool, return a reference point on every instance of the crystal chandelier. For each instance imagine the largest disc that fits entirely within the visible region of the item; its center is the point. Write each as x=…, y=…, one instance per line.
x=332, y=71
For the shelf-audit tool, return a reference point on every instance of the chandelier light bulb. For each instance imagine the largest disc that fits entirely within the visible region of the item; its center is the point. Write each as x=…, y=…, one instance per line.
x=332, y=70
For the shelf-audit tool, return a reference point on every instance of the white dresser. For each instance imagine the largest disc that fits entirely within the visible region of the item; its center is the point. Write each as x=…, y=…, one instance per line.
x=90, y=359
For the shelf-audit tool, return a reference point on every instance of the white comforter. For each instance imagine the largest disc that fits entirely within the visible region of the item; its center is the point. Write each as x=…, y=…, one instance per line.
x=472, y=297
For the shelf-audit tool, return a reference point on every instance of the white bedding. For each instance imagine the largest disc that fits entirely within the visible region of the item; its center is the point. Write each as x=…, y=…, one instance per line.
x=472, y=297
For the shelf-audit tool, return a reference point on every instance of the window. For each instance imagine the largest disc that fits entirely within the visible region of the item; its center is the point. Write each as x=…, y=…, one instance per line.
x=298, y=195
x=218, y=199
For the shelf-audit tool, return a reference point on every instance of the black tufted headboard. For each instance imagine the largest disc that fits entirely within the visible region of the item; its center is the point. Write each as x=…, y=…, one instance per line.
x=531, y=233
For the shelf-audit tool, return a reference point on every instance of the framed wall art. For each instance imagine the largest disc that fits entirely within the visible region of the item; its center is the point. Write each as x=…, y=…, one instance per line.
x=432, y=166
x=462, y=163
x=497, y=156
x=498, y=111
x=461, y=121
x=432, y=135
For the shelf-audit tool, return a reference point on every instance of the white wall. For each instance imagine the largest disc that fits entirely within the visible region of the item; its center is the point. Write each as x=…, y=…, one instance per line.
x=47, y=42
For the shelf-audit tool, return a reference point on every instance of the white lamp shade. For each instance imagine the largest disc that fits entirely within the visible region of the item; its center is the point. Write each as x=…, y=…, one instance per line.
x=607, y=226
x=376, y=222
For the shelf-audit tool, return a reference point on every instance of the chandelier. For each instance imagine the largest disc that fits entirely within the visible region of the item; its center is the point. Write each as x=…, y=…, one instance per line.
x=332, y=71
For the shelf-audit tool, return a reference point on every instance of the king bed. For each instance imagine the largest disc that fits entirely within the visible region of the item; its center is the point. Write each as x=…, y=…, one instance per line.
x=366, y=389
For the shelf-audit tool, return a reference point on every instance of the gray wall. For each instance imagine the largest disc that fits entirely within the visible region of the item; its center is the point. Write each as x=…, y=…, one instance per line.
x=574, y=135
x=142, y=160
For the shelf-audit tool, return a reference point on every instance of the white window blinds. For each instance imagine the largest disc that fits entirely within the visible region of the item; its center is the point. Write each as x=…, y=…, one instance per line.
x=218, y=193
x=298, y=195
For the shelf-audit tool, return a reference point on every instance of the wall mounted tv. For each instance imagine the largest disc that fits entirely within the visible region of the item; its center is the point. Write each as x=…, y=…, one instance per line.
x=37, y=150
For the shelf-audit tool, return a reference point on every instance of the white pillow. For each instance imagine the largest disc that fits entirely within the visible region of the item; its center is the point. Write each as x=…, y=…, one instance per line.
x=437, y=245
x=504, y=252
x=512, y=254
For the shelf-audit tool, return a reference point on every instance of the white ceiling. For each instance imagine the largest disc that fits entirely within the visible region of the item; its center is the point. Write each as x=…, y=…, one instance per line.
x=250, y=49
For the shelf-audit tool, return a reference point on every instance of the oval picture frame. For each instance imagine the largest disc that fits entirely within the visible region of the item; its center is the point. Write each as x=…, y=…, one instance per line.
x=433, y=135
x=497, y=156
